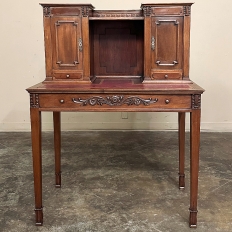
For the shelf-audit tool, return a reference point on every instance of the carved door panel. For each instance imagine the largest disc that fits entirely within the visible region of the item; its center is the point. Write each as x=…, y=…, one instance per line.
x=167, y=47
x=67, y=47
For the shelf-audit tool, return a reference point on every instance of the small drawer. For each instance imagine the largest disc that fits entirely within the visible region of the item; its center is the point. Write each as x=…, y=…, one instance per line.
x=67, y=75
x=166, y=75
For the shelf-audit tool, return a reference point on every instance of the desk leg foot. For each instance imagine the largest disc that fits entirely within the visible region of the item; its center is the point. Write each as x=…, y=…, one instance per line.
x=58, y=180
x=39, y=217
x=181, y=181
x=193, y=218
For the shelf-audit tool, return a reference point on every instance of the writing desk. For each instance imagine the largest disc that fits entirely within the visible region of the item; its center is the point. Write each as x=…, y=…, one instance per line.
x=111, y=96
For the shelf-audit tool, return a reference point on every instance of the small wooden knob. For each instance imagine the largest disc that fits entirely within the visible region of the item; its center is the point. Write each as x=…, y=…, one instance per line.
x=67, y=75
x=166, y=76
x=62, y=101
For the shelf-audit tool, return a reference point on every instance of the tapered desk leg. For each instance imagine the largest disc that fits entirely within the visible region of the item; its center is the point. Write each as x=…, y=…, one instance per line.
x=194, y=164
x=57, y=148
x=181, y=121
x=37, y=163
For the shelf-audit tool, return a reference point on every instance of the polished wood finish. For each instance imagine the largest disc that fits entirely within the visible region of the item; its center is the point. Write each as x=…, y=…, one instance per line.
x=37, y=162
x=194, y=164
x=181, y=130
x=82, y=44
x=116, y=61
x=57, y=145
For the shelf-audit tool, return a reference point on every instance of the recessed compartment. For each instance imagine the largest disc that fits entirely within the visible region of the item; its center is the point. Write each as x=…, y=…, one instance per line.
x=117, y=48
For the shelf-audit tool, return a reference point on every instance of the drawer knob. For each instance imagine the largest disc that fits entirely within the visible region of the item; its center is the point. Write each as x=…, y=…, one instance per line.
x=167, y=101
x=62, y=101
x=166, y=76
x=67, y=75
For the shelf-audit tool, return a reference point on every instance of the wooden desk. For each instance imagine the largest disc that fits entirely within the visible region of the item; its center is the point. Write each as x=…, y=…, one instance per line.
x=111, y=96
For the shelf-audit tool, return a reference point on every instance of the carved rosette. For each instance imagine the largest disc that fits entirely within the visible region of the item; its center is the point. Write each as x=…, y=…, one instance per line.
x=147, y=11
x=47, y=11
x=187, y=10
x=196, y=101
x=85, y=11
x=114, y=101
x=34, y=100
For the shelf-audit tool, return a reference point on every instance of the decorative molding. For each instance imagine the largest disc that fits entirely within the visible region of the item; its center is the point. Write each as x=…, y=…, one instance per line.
x=34, y=100
x=193, y=211
x=47, y=11
x=85, y=11
x=187, y=10
x=147, y=11
x=115, y=101
x=123, y=15
x=58, y=58
x=196, y=101
x=58, y=23
x=176, y=22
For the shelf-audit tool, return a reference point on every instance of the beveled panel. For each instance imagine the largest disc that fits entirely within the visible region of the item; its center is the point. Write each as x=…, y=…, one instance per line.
x=66, y=11
x=67, y=42
x=168, y=35
x=178, y=10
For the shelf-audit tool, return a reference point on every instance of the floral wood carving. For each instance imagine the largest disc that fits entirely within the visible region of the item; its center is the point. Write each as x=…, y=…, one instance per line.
x=47, y=11
x=85, y=11
x=114, y=101
x=147, y=11
x=34, y=100
x=187, y=10
x=196, y=101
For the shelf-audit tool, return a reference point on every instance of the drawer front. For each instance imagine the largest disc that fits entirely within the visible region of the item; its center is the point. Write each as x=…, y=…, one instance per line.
x=166, y=75
x=101, y=102
x=67, y=75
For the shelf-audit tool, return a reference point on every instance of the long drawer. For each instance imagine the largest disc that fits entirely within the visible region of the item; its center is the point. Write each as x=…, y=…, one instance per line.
x=110, y=101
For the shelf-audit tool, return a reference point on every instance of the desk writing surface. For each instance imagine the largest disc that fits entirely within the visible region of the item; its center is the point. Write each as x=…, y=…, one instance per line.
x=114, y=86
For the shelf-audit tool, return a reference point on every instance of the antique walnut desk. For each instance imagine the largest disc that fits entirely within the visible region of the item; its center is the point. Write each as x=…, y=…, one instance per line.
x=127, y=61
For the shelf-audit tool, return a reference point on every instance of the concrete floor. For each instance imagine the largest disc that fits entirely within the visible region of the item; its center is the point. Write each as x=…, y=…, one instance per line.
x=115, y=182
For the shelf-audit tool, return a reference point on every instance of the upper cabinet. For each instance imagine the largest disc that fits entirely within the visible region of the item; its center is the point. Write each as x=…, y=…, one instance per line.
x=150, y=44
x=166, y=48
x=167, y=28
x=67, y=47
x=65, y=29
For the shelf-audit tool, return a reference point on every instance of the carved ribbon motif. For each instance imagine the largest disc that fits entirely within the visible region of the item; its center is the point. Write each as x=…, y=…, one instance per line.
x=115, y=101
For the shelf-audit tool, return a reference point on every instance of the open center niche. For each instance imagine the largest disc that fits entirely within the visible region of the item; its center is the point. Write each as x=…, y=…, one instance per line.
x=117, y=49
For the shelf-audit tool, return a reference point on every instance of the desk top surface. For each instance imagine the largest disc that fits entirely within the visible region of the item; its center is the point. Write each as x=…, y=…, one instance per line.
x=117, y=86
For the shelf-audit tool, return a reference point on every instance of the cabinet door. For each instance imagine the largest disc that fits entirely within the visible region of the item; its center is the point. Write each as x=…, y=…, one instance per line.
x=67, y=47
x=167, y=47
